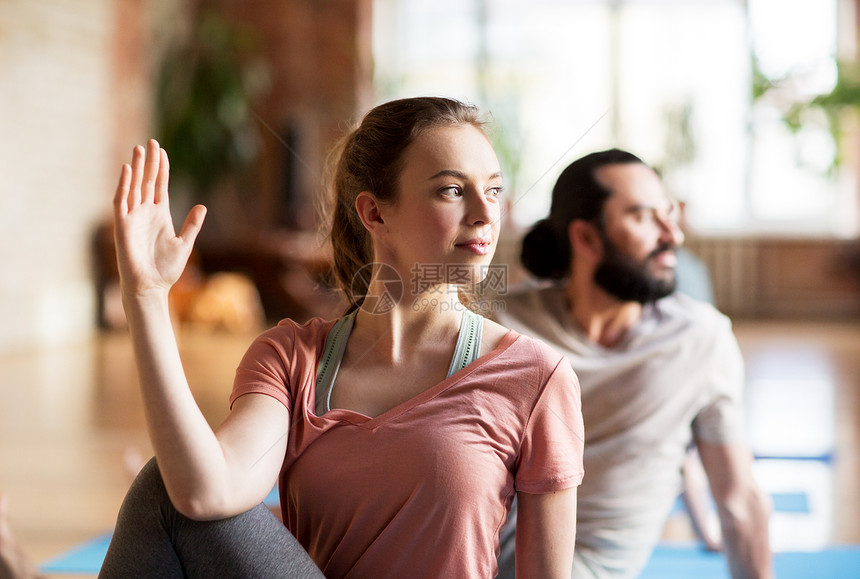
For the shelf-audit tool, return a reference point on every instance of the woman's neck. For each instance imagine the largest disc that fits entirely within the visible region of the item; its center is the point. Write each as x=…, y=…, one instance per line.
x=415, y=323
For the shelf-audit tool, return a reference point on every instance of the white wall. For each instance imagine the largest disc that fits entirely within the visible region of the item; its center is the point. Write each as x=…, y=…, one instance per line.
x=56, y=170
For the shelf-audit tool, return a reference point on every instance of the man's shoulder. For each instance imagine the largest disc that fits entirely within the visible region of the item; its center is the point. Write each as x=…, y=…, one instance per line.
x=681, y=305
x=526, y=305
x=535, y=312
x=531, y=294
x=685, y=313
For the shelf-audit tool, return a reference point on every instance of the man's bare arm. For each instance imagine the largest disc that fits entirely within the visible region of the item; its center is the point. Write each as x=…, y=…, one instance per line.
x=743, y=508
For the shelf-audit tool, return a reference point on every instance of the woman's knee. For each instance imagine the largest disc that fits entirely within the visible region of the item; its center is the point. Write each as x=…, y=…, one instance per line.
x=149, y=479
x=147, y=493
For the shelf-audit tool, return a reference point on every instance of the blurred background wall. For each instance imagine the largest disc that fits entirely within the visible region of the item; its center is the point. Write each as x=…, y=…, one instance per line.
x=78, y=83
x=733, y=100
x=62, y=99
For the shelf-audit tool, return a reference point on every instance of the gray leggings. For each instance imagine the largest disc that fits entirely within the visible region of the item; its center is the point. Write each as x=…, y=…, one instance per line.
x=153, y=540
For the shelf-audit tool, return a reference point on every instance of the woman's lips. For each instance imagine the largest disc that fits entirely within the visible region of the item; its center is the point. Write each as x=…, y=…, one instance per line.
x=476, y=246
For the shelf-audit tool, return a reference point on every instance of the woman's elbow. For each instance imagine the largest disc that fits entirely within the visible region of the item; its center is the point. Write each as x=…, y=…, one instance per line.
x=203, y=506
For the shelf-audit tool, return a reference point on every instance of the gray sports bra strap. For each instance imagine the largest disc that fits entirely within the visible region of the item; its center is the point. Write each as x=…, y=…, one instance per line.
x=468, y=342
x=335, y=345
x=466, y=351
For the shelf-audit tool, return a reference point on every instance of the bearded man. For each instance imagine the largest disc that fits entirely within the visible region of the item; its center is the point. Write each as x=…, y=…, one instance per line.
x=660, y=372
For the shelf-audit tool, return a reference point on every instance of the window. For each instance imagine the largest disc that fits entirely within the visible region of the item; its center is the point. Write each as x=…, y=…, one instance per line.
x=669, y=80
x=793, y=185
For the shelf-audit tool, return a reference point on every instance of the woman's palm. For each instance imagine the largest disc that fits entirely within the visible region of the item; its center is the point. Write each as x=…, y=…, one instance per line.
x=150, y=255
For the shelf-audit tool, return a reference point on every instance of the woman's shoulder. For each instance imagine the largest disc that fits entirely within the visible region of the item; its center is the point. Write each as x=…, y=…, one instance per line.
x=289, y=333
x=310, y=325
x=493, y=335
x=520, y=346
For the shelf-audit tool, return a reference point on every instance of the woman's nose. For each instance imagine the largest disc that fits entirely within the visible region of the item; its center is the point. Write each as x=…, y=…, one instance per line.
x=483, y=209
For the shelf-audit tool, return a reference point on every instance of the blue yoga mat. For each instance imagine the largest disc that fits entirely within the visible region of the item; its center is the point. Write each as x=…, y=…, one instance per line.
x=686, y=561
x=667, y=562
x=782, y=503
x=86, y=558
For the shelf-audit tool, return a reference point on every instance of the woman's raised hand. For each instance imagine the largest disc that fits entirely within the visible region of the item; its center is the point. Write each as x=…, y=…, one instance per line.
x=150, y=255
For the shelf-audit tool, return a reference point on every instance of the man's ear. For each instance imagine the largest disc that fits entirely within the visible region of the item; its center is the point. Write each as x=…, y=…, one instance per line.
x=584, y=239
x=369, y=211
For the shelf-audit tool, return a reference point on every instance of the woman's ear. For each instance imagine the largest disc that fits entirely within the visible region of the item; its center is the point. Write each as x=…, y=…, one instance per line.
x=369, y=211
x=584, y=239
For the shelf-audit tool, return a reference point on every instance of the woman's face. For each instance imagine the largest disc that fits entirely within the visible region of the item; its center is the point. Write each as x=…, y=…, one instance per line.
x=444, y=225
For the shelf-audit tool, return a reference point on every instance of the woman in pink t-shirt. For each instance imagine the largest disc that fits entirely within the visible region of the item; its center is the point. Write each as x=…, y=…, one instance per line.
x=393, y=457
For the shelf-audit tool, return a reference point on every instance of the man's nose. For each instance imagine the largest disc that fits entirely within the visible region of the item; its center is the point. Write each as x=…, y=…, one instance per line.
x=670, y=232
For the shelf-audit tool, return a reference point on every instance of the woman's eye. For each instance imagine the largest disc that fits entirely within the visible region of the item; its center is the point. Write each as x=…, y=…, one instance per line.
x=452, y=191
x=495, y=191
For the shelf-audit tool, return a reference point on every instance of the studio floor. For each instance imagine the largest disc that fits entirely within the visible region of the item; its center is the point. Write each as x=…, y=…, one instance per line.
x=70, y=418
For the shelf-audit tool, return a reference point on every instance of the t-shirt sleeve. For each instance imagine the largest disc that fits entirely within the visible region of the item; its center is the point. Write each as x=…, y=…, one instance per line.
x=263, y=370
x=721, y=421
x=551, y=454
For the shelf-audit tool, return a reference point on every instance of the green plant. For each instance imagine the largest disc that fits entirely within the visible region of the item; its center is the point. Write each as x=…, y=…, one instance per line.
x=832, y=106
x=206, y=88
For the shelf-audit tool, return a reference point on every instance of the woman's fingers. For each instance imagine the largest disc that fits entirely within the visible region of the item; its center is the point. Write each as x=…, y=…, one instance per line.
x=150, y=171
x=163, y=177
x=150, y=254
x=147, y=177
x=120, y=199
x=192, y=225
x=138, y=158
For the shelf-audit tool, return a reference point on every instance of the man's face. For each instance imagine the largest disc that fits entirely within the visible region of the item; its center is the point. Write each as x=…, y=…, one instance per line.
x=640, y=234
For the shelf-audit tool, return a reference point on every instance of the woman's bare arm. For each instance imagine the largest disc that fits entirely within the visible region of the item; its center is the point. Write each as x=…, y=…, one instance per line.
x=546, y=532
x=207, y=475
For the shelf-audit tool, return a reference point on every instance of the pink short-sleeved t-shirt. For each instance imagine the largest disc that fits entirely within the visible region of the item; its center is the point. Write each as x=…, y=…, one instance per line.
x=423, y=489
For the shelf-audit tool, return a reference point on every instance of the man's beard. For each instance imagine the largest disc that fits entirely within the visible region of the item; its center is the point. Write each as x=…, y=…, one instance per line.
x=623, y=277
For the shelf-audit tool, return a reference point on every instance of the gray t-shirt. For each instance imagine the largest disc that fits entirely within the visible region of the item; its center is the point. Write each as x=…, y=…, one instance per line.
x=674, y=378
